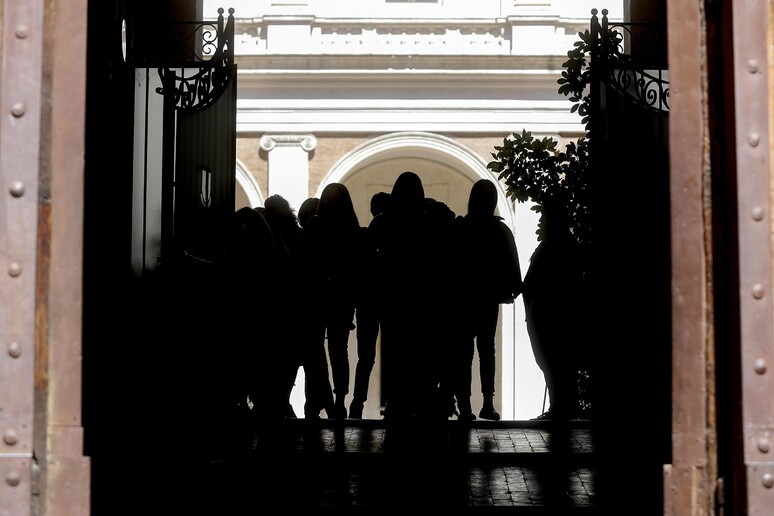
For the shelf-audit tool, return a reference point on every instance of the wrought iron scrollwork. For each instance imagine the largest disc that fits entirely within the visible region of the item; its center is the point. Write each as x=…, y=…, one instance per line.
x=647, y=90
x=632, y=76
x=195, y=91
x=195, y=87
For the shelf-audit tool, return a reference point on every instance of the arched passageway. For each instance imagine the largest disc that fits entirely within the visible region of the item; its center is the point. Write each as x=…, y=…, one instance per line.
x=448, y=171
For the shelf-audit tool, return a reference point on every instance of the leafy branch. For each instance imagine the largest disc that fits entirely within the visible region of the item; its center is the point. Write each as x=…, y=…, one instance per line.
x=559, y=183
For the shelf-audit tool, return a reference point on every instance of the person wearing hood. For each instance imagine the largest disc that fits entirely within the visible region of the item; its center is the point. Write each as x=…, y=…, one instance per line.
x=484, y=240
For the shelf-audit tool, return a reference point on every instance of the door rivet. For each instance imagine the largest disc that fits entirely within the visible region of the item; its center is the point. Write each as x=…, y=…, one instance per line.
x=754, y=139
x=17, y=189
x=758, y=213
x=764, y=444
x=13, y=478
x=17, y=109
x=14, y=349
x=752, y=65
x=758, y=291
x=759, y=365
x=10, y=437
x=22, y=31
x=768, y=480
x=14, y=269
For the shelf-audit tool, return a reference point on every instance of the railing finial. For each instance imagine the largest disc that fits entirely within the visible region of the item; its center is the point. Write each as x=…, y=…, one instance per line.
x=594, y=23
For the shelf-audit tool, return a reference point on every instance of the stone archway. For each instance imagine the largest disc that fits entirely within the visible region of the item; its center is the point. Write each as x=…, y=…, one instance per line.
x=248, y=191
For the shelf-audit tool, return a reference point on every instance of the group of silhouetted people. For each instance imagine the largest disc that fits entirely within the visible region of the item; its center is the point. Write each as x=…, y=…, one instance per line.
x=429, y=281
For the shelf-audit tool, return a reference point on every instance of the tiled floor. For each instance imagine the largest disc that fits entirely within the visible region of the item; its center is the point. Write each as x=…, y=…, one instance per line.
x=366, y=464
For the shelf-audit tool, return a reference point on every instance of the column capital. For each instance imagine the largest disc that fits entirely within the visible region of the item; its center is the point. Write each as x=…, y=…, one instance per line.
x=308, y=142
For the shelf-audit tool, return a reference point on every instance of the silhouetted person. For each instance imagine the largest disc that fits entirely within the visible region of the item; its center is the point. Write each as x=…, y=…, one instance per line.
x=307, y=209
x=408, y=262
x=288, y=241
x=553, y=297
x=259, y=358
x=441, y=284
x=485, y=240
x=367, y=317
x=284, y=225
x=317, y=386
x=336, y=246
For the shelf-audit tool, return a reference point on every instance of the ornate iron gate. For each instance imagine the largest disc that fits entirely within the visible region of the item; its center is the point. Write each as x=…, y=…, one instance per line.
x=628, y=135
x=198, y=148
x=204, y=166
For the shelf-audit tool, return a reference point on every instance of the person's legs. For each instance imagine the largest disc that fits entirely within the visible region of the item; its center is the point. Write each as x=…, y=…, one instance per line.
x=486, y=330
x=566, y=404
x=550, y=343
x=387, y=368
x=463, y=366
x=338, y=351
x=367, y=332
x=317, y=387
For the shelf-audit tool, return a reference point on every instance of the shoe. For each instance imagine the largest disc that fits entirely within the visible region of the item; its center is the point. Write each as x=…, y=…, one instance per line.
x=489, y=413
x=467, y=417
x=339, y=411
x=545, y=415
x=330, y=411
x=355, y=410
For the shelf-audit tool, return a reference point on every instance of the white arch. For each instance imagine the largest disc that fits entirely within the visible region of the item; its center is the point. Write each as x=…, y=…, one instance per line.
x=416, y=144
x=455, y=155
x=249, y=185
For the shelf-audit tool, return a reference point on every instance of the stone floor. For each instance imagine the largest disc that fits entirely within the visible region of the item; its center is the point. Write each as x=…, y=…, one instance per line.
x=535, y=467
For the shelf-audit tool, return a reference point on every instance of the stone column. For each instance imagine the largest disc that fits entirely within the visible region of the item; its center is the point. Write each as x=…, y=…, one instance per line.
x=289, y=165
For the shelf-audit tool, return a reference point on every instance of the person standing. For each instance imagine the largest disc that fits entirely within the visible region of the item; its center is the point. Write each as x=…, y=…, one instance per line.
x=411, y=259
x=335, y=256
x=483, y=238
x=290, y=242
x=555, y=303
x=307, y=209
x=367, y=318
x=259, y=357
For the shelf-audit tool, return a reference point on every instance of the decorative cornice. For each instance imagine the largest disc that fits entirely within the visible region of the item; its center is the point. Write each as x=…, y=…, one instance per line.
x=316, y=64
